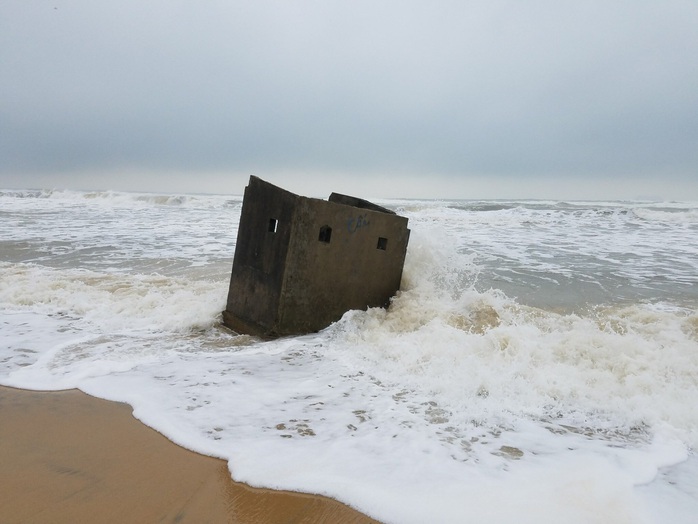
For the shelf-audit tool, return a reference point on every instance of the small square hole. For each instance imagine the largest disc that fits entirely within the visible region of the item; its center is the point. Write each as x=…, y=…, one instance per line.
x=273, y=225
x=382, y=243
x=325, y=234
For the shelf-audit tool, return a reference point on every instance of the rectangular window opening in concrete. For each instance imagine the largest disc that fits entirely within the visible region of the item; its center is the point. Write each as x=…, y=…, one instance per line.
x=382, y=243
x=273, y=225
x=325, y=234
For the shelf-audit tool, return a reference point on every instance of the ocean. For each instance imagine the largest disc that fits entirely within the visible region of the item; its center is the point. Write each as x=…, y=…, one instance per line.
x=539, y=365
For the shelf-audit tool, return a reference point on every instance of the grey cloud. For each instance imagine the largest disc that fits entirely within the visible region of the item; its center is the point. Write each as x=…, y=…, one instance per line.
x=455, y=88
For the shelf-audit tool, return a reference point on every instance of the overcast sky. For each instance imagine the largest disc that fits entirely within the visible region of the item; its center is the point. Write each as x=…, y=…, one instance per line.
x=437, y=99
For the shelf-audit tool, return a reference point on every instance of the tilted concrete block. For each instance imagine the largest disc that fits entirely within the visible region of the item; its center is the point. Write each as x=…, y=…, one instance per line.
x=300, y=263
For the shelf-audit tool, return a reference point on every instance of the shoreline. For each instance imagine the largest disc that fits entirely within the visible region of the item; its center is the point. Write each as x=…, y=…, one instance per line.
x=69, y=457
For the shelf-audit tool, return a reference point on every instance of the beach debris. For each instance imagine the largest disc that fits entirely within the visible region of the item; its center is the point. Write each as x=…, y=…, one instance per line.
x=300, y=263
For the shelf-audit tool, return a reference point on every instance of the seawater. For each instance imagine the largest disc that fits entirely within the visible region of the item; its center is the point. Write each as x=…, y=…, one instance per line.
x=540, y=363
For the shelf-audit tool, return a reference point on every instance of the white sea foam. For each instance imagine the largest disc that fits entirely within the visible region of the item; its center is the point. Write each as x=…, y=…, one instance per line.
x=28, y=198
x=457, y=404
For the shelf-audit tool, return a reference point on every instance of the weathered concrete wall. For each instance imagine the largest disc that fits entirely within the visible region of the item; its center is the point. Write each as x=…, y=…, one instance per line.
x=321, y=259
x=260, y=257
x=326, y=279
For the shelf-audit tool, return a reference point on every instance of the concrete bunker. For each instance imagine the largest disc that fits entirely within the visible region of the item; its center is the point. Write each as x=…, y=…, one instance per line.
x=300, y=263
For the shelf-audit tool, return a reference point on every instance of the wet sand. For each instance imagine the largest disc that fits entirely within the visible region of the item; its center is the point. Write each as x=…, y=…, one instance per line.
x=66, y=457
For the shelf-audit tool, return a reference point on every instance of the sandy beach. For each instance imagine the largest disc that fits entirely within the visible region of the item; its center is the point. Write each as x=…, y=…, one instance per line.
x=66, y=457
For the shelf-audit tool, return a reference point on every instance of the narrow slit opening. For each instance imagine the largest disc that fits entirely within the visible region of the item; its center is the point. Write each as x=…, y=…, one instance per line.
x=273, y=225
